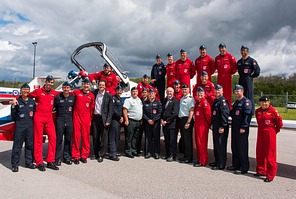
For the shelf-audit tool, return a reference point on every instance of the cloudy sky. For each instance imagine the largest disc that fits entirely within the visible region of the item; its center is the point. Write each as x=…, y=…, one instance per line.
x=138, y=30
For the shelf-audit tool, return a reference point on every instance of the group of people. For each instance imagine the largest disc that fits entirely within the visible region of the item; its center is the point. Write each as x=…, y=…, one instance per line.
x=102, y=112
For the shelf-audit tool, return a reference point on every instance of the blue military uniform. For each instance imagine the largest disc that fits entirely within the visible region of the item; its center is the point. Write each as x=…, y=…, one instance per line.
x=158, y=72
x=247, y=70
x=220, y=113
x=64, y=125
x=23, y=114
x=114, y=130
x=152, y=111
x=241, y=115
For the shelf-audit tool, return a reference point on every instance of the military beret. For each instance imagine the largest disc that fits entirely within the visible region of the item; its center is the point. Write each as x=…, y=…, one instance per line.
x=185, y=86
x=49, y=78
x=118, y=87
x=176, y=82
x=151, y=90
x=263, y=98
x=200, y=89
x=86, y=80
x=182, y=51
x=144, y=89
x=222, y=45
x=238, y=87
x=106, y=65
x=25, y=85
x=217, y=87
x=169, y=55
x=203, y=73
x=202, y=47
x=145, y=76
x=244, y=47
x=66, y=83
x=157, y=57
x=133, y=88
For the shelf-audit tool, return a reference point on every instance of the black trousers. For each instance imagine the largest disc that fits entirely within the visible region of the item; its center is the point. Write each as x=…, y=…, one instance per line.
x=113, y=137
x=21, y=135
x=160, y=85
x=152, y=138
x=170, y=137
x=64, y=129
x=187, y=138
x=100, y=136
x=240, y=149
x=220, y=146
x=139, y=140
x=131, y=136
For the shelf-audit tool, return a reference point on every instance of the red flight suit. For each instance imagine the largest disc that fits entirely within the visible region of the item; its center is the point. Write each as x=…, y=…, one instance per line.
x=209, y=89
x=207, y=64
x=110, y=79
x=226, y=67
x=178, y=95
x=82, y=116
x=141, y=85
x=202, y=117
x=185, y=70
x=171, y=74
x=269, y=124
x=43, y=121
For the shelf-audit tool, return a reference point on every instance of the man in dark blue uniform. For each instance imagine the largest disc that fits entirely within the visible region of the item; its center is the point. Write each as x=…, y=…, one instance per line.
x=117, y=119
x=151, y=116
x=22, y=114
x=248, y=69
x=158, y=73
x=220, y=128
x=241, y=115
x=63, y=104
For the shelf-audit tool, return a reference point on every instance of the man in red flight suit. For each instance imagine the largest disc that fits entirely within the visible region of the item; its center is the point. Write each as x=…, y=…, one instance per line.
x=170, y=71
x=204, y=63
x=225, y=64
x=269, y=124
x=82, y=116
x=202, y=114
x=145, y=84
x=185, y=69
x=108, y=76
x=208, y=87
x=43, y=121
x=177, y=90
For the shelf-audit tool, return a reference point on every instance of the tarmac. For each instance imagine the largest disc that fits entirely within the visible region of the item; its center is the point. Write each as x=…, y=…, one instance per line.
x=150, y=178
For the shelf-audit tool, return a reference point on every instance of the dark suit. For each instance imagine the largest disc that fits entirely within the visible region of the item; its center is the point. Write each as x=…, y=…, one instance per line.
x=99, y=130
x=170, y=114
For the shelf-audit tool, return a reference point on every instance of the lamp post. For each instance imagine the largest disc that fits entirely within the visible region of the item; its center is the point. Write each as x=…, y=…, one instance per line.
x=34, y=67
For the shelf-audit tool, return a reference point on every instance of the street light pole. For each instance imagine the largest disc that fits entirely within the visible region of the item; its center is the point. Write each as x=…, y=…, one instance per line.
x=34, y=66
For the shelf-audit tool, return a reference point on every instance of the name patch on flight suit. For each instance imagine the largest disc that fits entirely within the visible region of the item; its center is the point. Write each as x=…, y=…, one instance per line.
x=22, y=115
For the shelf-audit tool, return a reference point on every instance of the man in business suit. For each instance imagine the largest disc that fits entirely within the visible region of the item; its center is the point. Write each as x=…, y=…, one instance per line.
x=169, y=122
x=101, y=120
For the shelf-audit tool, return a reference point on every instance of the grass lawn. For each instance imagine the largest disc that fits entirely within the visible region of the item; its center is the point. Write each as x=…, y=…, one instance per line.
x=290, y=115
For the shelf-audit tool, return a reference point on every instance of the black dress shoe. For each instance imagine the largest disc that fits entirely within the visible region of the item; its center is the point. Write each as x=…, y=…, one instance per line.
x=41, y=167
x=129, y=155
x=76, y=161
x=170, y=159
x=148, y=155
x=83, y=160
x=114, y=158
x=218, y=168
x=135, y=154
x=185, y=161
x=58, y=162
x=31, y=166
x=267, y=180
x=212, y=164
x=14, y=169
x=93, y=157
x=165, y=157
x=100, y=159
x=180, y=159
x=231, y=168
x=52, y=166
x=197, y=164
x=156, y=156
x=119, y=154
x=237, y=172
x=68, y=162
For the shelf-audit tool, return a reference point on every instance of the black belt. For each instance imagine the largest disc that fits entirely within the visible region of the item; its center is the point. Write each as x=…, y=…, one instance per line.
x=98, y=115
x=134, y=120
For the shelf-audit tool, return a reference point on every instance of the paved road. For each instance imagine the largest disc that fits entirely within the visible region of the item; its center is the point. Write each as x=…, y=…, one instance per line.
x=142, y=178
